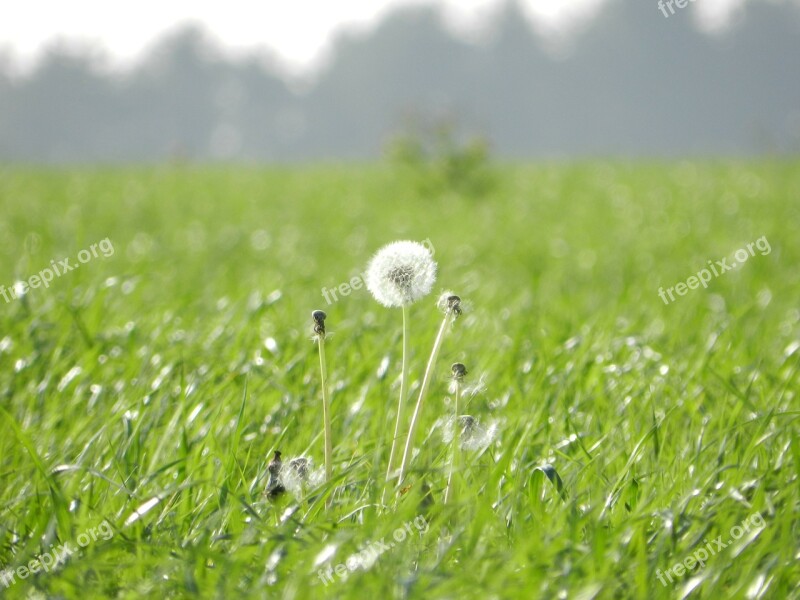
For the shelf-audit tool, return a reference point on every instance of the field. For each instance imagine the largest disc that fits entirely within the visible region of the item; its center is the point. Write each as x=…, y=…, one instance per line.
x=145, y=391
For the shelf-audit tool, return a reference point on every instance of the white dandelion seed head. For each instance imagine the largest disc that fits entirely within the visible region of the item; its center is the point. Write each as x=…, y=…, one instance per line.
x=298, y=474
x=473, y=435
x=474, y=388
x=401, y=273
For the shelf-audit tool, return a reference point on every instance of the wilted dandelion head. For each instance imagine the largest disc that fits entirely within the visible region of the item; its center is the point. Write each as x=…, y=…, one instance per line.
x=293, y=476
x=401, y=273
x=449, y=303
x=472, y=434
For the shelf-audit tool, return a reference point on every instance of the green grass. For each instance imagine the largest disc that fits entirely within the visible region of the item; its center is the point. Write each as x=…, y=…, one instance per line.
x=146, y=379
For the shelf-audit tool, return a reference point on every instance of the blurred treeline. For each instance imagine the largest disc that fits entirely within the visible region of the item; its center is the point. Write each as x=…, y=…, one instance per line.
x=631, y=82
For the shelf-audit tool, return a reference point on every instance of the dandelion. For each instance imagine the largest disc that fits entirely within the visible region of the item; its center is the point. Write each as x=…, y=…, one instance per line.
x=398, y=275
x=401, y=273
x=319, y=317
x=450, y=304
x=292, y=476
x=299, y=474
x=471, y=434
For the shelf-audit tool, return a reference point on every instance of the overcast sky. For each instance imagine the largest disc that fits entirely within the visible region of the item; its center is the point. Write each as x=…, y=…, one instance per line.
x=296, y=32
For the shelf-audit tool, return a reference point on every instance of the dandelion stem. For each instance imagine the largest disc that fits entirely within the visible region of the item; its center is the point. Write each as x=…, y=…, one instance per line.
x=455, y=460
x=426, y=380
x=326, y=409
x=403, y=392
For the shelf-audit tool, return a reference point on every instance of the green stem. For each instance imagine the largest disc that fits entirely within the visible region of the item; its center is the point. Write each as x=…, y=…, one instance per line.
x=403, y=392
x=426, y=380
x=455, y=460
x=326, y=410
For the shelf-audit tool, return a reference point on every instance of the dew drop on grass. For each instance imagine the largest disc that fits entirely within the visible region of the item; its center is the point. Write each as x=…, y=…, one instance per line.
x=193, y=415
x=757, y=588
x=690, y=586
x=650, y=354
x=272, y=563
x=764, y=298
x=383, y=368
x=325, y=555
x=96, y=390
x=260, y=240
x=287, y=514
x=716, y=303
x=67, y=379
x=791, y=348
x=166, y=370
x=142, y=510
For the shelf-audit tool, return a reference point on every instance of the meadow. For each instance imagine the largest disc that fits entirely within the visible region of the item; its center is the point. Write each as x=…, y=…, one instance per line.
x=144, y=393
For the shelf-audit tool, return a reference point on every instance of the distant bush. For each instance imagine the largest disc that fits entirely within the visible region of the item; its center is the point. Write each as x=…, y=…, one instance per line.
x=440, y=159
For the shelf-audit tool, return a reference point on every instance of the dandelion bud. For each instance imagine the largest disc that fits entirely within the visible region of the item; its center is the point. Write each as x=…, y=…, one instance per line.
x=275, y=464
x=275, y=487
x=459, y=371
x=319, y=322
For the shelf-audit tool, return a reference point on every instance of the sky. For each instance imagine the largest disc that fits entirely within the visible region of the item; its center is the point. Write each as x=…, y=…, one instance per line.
x=296, y=34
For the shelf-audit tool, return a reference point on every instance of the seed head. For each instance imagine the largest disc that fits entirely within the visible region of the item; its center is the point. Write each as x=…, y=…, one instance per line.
x=293, y=476
x=471, y=433
x=401, y=273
